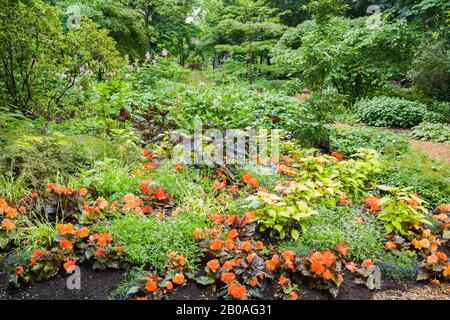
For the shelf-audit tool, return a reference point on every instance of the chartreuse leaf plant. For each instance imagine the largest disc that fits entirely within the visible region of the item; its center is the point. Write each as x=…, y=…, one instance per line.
x=313, y=180
x=280, y=216
x=401, y=211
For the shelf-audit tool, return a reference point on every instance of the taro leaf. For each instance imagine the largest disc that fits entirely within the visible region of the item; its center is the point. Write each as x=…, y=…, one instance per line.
x=133, y=290
x=204, y=280
x=294, y=234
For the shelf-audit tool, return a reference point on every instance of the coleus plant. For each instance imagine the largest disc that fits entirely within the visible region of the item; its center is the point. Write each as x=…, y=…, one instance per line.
x=401, y=210
x=279, y=216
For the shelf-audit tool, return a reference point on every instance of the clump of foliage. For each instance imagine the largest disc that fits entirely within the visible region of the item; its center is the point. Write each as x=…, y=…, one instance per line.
x=32, y=40
x=348, y=140
x=430, y=70
x=427, y=178
x=147, y=240
x=390, y=112
x=362, y=233
x=438, y=132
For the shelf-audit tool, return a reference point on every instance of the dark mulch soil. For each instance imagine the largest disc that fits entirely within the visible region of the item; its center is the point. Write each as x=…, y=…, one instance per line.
x=98, y=285
x=95, y=285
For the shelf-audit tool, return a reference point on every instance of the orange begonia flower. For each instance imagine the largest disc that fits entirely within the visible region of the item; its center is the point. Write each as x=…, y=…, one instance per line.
x=65, y=244
x=216, y=244
x=237, y=291
x=390, y=245
x=367, y=263
x=178, y=278
x=282, y=280
x=8, y=225
x=446, y=271
x=64, y=229
x=259, y=245
x=11, y=213
x=327, y=275
x=213, y=265
x=151, y=285
x=227, y=277
x=246, y=245
x=341, y=248
x=69, y=265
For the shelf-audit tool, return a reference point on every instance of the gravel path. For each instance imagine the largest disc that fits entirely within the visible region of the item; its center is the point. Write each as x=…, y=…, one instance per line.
x=421, y=292
x=435, y=150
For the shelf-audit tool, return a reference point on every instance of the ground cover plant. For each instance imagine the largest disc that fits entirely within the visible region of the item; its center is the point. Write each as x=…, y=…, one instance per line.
x=224, y=149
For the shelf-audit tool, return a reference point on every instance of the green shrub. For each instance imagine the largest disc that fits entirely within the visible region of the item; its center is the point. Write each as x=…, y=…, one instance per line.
x=431, y=132
x=188, y=187
x=438, y=112
x=39, y=158
x=390, y=112
x=111, y=178
x=348, y=140
x=430, y=72
x=151, y=73
x=325, y=230
x=147, y=240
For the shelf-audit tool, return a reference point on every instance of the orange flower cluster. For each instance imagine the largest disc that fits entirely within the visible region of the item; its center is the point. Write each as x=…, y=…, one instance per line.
x=36, y=255
x=213, y=265
x=151, y=162
x=10, y=213
x=443, y=208
x=217, y=185
x=153, y=282
x=341, y=248
x=237, y=291
x=250, y=181
x=372, y=203
x=273, y=263
x=94, y=211
x=321, y=261
x=62, y=191
x=133, y=203
x=343, y=199
x=284, y=169
x=69, y=265
x=101, y=240
x=66, y=244
x=390, y=245
x=68, y=229
x=337, y=155
x=177, y=260
x=156, y=194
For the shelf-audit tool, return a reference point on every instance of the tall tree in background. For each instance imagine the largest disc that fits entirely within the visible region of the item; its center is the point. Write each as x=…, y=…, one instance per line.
x=156, y=13
x=246, y=28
